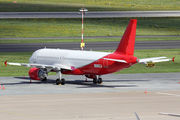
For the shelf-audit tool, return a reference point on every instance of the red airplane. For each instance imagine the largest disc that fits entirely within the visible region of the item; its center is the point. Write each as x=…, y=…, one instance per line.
x=88, y=63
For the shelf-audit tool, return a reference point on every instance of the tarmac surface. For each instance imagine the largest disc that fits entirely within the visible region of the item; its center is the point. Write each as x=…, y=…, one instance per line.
x=95, y=14
x=117, y=98
x=77, y=84
x=31, y=47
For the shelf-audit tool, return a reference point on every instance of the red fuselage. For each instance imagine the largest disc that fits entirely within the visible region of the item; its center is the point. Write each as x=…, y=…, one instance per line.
x=103, y=66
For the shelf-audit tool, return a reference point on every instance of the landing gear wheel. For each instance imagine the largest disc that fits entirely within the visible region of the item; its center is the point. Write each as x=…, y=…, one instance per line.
x=99, y=80
x=58, y=81
x=44, y=79
x=95, y=80
x=63, y=81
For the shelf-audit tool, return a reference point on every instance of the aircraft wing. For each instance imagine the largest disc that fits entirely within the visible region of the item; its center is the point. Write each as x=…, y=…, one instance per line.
x=155, y=59
x=123, y=61
x=54, y=66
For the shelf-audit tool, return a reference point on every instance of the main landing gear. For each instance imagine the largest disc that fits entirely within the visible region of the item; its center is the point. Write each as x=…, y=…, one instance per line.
x=97, y=80
x=60, y=81
x=45, y=78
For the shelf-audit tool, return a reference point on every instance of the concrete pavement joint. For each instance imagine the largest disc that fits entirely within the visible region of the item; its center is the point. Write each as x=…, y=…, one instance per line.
x=168, y=94
x=15, y=113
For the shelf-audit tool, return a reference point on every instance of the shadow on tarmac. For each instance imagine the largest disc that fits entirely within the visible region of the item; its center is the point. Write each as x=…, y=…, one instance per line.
x=88, y=84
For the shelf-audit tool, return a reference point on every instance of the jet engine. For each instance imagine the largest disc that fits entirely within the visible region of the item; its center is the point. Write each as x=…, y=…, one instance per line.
x=37, y=74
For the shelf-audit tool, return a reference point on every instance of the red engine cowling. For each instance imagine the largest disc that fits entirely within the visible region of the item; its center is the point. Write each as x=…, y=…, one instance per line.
x=37, y=74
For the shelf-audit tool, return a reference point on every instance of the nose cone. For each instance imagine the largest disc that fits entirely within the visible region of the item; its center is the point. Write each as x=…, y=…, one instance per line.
x=30, y=59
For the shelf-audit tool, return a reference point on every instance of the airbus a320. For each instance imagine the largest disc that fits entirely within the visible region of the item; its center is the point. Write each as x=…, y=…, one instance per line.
x=89, y=63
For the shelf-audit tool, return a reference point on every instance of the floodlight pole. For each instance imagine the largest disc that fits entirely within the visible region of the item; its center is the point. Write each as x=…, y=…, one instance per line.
x=82, y=41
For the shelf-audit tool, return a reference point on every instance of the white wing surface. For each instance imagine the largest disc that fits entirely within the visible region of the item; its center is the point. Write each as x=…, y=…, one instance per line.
x=54, y=66
x=155, y=59
x=123, y=61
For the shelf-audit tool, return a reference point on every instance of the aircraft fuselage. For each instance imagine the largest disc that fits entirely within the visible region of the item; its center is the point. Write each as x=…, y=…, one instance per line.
x=83, y=62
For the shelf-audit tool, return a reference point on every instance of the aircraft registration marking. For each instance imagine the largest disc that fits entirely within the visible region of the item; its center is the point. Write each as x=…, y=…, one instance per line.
x=97, y=65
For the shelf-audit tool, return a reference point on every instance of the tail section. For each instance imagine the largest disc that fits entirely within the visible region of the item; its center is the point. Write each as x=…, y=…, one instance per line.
x=127, y=42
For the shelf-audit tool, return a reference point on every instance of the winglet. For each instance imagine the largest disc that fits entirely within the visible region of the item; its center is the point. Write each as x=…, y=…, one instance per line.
x=5, y=63
x=173, y=59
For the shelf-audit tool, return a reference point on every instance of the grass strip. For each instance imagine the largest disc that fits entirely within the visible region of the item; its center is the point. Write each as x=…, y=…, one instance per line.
x=91, y=5
x=164, y=67
x=51, y=27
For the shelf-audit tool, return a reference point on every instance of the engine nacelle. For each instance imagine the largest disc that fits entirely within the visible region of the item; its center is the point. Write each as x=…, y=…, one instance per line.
x=37, y=74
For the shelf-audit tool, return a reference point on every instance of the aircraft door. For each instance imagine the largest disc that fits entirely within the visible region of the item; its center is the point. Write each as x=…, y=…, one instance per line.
x=106, y=65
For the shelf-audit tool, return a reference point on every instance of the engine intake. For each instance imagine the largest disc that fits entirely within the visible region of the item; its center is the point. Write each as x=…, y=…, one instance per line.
x=37, y=74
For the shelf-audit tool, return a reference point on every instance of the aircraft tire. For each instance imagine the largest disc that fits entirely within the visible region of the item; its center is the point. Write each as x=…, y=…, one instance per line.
x=44, y=79
x=63, y=81
x=99, y=80
x=95, y=81
x=58, y=81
